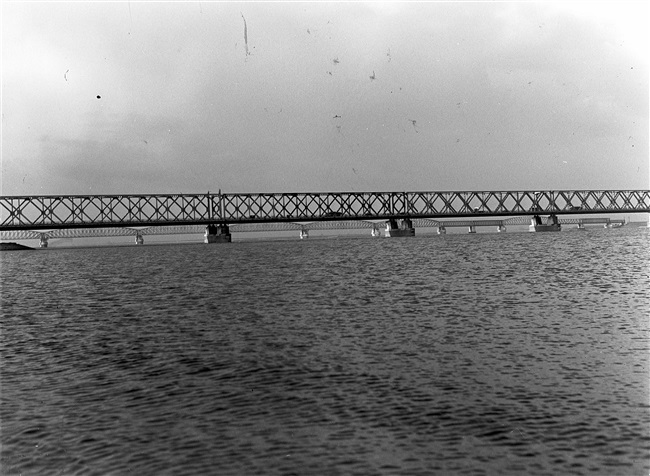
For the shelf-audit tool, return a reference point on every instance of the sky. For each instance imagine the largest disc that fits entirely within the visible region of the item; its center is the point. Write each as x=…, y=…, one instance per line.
x=190, y=97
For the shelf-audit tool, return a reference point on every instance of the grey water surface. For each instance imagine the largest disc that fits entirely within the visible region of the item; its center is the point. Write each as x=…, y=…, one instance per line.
x=511, y=353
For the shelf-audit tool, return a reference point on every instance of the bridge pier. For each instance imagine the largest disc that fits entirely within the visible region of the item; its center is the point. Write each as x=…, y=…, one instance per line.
x=403, y=228
x=550, y=224
x=581, y=226
x=442, y=230
x=304, y=233
x=501, y=228
x=139, y=239
x=472, y=228
x=375, y=232
x=217, y=234
x=43, y=240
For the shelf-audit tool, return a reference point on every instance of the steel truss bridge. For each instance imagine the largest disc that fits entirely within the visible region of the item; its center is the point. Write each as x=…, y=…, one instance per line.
x=25, y=217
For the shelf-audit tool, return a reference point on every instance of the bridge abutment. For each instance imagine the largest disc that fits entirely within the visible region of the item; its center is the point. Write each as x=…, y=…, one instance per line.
x=217, y=234
x=399, y=229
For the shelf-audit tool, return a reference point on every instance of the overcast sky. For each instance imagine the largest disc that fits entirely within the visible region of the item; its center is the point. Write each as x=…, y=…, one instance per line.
x=137, y=97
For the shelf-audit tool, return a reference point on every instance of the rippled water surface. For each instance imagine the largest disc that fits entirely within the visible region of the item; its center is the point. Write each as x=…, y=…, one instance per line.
x=515, y=353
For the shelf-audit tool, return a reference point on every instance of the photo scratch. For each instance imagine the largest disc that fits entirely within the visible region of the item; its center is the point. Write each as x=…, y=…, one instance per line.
x=245, y=35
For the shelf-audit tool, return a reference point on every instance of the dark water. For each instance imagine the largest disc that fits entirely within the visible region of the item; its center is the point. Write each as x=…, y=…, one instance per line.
x=515, y=353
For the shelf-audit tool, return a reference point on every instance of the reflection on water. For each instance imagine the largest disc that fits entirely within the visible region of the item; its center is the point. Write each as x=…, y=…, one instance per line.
x=462, y=354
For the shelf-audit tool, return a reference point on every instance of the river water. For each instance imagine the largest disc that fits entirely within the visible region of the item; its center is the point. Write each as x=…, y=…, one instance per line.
x=495, y=354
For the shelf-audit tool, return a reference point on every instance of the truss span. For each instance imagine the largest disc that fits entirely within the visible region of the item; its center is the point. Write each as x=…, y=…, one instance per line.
x=108, y=211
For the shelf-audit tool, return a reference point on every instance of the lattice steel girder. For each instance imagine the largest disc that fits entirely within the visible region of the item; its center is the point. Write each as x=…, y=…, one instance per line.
x=98, y=211
x=90, y=211
x=379, y=205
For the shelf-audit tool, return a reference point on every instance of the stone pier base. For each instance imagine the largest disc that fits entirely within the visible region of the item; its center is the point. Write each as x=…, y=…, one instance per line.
x=403, y=228
x=217, y=234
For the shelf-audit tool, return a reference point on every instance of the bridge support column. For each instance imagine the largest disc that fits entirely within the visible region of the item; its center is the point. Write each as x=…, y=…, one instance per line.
x=403, y=228
x=472, y=228
x=581, y=226
x=139, y=239
x=304, y=234
x=501, y=228
x=217, y=234
x=43, y=241
x=375, y=232
x=442, y=230
x=550, y=224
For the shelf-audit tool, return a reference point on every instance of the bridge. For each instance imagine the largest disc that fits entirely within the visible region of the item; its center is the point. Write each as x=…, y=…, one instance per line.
x=47, y=216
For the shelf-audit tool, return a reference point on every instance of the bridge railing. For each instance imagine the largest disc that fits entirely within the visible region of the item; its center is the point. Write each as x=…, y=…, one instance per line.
x=90, y=211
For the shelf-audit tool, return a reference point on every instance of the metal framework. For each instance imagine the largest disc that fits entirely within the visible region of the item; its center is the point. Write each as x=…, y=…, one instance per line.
x=107, y=211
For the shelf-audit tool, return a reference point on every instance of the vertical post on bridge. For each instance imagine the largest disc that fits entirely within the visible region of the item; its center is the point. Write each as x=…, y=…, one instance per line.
x=217, y=232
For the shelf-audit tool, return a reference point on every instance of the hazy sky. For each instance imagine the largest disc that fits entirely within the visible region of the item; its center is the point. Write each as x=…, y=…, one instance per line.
x=142, y=97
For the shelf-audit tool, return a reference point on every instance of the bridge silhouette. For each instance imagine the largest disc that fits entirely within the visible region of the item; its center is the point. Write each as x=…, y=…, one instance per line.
x=25, y=217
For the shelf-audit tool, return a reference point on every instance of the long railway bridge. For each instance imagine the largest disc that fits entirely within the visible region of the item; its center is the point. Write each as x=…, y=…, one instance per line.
x=219, y=214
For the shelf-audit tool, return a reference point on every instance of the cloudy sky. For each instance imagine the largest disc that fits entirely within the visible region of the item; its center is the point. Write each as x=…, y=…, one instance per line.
x=142, y=97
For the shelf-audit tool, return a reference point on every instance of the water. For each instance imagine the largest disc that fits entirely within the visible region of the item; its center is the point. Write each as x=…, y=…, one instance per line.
x=515, y=353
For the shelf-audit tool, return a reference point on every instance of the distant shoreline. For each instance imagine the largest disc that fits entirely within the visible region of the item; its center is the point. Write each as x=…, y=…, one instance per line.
x=13, y=247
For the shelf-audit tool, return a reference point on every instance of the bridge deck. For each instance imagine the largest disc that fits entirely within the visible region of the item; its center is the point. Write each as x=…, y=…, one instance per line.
x=276, y=227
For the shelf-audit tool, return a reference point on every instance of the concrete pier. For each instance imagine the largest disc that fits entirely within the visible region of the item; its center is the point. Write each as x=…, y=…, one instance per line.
x=549, y=224
x=401, y=229
x=219, y=233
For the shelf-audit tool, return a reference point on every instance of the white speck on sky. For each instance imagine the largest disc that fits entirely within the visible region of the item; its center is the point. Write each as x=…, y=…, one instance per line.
x=187, y=97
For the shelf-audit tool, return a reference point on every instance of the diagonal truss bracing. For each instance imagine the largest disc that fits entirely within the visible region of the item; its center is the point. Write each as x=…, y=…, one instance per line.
x=101, y=211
